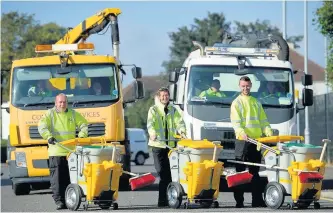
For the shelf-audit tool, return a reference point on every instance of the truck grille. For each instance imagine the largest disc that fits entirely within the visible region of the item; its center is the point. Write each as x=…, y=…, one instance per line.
x=95, y=129
x=225, y=135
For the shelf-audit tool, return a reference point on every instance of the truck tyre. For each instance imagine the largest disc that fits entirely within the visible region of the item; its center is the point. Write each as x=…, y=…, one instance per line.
x=21, y=188
x=126, y=161
x=140, y=159
x=40, y=186
x=283, y=45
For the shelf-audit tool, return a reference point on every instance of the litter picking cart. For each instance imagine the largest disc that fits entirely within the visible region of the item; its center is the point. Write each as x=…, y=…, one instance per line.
x=94, y=174
x=195, y=173
x=293, y=169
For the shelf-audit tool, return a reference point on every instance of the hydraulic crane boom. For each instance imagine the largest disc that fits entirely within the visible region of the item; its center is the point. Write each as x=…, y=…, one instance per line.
x=95, y=24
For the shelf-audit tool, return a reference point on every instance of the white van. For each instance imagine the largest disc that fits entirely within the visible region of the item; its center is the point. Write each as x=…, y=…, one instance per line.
x=138, y=145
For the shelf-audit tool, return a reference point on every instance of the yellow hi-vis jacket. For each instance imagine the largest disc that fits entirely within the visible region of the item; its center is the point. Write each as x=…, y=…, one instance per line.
x=156, y=124
x=248, y=116
x=62, y=126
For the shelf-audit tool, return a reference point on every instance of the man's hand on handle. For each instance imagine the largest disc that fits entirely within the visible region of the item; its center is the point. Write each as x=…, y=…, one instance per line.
x=244, y=137
x=153, y=137
x=52, y=141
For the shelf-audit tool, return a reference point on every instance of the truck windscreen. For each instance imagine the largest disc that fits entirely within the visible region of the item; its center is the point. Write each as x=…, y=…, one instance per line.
x=220, y=85
x=37, y=86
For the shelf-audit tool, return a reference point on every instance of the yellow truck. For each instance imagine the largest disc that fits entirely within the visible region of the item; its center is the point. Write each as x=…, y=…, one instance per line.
x=93, y=85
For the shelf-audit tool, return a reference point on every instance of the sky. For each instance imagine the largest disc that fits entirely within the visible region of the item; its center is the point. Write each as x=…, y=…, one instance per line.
x=144, y=25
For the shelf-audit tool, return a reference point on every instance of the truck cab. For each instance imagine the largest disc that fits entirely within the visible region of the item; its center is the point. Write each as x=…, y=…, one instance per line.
x=93, y=86
x=207, y=115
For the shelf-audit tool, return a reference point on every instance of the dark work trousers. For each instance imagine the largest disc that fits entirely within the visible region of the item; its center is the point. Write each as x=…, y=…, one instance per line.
x=59, y=175
x=245, y=151
x=162, y=166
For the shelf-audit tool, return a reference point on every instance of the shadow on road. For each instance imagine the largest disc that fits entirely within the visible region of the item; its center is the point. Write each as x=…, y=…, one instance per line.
x=6, y=182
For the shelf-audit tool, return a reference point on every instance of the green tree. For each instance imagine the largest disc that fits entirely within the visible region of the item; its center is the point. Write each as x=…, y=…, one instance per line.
x=324, y=22
x=20, y=33
x=264, y=28
x=210, y=30
x=206, y=31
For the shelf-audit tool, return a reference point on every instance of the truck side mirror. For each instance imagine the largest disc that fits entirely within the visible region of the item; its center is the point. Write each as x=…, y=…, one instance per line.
x=173, y=91
x=139, y=90
x=136, y=72
x=6, y=108
x=307, y=80
x=307, y=97
x=173, y=76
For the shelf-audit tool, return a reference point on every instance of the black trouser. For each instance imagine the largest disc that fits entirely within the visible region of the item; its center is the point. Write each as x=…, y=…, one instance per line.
x=246, y=151
x=162, y=166
x=59, y=177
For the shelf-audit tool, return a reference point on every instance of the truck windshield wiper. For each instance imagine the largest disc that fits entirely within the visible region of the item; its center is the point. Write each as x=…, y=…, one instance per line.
x=274, y=106
x=91, y=102
x=36, y=104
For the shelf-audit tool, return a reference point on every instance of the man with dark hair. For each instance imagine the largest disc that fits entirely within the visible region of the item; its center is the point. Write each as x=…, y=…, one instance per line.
x=248, y=119
x=162, y=123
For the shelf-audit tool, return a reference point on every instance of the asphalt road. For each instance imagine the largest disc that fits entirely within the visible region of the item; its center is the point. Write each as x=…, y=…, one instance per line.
x=138, y=201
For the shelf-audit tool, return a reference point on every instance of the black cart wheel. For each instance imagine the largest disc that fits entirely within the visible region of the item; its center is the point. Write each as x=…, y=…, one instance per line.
x=274, y=195
x=206, y=203
x=303, y=205
x=316, y=205
x=216, y=204
x=105, y=205
x=115, y=206
x=73, y=196
x=174, y=195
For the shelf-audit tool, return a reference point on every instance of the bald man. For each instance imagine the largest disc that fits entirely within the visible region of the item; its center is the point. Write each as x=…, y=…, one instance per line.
x=57, y=125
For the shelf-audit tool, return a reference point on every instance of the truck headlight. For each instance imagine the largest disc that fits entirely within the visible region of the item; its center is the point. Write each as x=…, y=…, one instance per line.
x=20, y=159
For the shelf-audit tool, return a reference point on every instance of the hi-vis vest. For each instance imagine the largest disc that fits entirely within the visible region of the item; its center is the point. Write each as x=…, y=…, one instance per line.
x=156, y=125
x=62, y=126
x=247, y=115
x=211, y=93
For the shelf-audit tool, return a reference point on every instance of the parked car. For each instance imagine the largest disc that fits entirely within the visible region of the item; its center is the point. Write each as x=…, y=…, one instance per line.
x=139, y=145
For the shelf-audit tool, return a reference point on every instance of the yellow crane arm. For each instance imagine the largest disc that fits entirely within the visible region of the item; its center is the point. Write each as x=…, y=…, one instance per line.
x=92, y=25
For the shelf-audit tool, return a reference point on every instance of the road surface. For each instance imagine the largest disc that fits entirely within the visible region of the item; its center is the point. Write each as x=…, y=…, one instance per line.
x=144, y=200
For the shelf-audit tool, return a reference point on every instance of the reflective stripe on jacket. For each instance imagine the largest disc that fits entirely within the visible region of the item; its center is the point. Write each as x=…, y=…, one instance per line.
x=156, y=124
x=247, y=115
x=62, y=126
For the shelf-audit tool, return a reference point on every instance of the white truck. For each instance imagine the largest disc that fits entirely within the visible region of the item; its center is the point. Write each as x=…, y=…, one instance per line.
x=267, y=67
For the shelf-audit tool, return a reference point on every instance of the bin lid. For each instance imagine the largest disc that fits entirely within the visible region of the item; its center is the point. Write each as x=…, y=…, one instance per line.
x=301, y=145
x=280, y=138
x=202, y=144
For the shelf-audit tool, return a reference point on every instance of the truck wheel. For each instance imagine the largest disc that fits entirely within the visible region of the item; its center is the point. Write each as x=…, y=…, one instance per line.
x=40, y=186
x=21, y=188
x=140, y=159
x=126, y=161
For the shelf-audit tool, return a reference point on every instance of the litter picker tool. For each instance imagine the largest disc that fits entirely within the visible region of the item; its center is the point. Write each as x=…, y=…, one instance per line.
x=259, y=145
x=305, y=176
